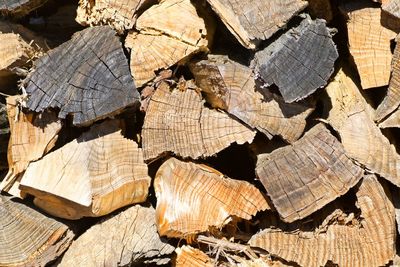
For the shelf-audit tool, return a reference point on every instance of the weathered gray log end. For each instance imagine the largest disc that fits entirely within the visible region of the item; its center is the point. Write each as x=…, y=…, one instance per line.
x=87, y=77
x=300, y=61
x=19, y=8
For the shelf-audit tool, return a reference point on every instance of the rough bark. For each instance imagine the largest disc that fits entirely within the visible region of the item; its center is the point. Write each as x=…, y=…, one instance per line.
x=189, y=256
x=300, y=61
x=183, y=188
x=93, y=175
x=87, y=77
x=19, y=8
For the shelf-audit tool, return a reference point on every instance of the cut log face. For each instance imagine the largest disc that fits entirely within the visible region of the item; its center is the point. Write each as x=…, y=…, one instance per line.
x=32, y=136
x=177, y=121
x=183, y=188
x=372, y=243
x=351, y=116
x=369, y=44
x=304, y=177
x=230, y=86
x=19, y=8
x=87, y=77
x=253, y=21
x=188, y=256
x=29, y=238
x=93, y=175
x=168, y=33
x=128, y=238
x=300, y=61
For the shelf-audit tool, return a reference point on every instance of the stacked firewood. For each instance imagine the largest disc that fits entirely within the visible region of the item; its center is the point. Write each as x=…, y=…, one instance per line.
x=199, y=132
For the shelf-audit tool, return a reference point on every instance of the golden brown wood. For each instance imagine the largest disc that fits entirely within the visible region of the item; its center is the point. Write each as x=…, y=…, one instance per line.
x=191, y=198
x=189, y=256
x=93, y=175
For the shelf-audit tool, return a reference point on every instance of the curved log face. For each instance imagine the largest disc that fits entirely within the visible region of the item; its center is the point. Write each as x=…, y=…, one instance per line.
x=29, y=238
x=87, y=77
x=191, y=198
x=19, y=8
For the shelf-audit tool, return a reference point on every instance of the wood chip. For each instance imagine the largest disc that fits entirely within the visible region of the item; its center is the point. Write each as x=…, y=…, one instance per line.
x=19, y=8
x=189, y=256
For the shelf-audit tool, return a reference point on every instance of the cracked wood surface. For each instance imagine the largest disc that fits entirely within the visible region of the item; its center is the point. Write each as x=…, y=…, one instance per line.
x=19, y=8
x=29, y=238
x=87, y=77
x=370, y=242
x=128, y=238
x=352, y=117
x=177, y=121
x=303, y=177
x=192, y=198
x=189, y=256
x=300, y=61
x=230, y=86
x=93, y=175
x=254, y=21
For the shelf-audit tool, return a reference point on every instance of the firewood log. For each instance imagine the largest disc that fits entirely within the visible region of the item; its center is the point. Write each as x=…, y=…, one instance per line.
x=391, y=14
x=177, y=121
x=393, y=121
x=300, y=61
x=29, y=238
x=230, y=86
x=4, y=136
x=371, y=242
x=128, y=238
x=19, y=8
x=87, y=77
x=304, y=177
x=254, y=21
x=93, y=175
x=189, y=256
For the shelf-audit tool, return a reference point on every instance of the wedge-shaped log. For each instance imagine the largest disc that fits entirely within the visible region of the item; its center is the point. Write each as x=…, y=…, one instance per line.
x=352, y=117
x=183, y=188
x=128, y=238
x=304, y=177
x=300, y=61
x=370, y=242
x=177, y=121
x=189, y=256
x=369, y=44
x=19, y=8
x=93, y=175
x=168, y=33
x=230, y=86
x=393, y=121
x=29, y=238
x=87, y=77
x=254, y=21
x=32, y=136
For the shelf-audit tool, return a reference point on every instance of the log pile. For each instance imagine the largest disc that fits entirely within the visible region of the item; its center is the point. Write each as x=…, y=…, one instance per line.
x=199, y=133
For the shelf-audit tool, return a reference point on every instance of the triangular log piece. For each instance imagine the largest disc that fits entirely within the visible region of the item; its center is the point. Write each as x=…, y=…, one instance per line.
x=177, y=121
x=393, y=121
x=193, y=257
x=19, y=8
x=369, y=44
x=128, y=238
x=391, y=14
x=300, y=61
x=304, y=177
x=254, y=21
x=191, y=198
x=29, y=238
x=4, y=136
x=168, y=33
x=93, y=175
x=369, y=242
x=352, y=117
x=87, y=77
x=321, y=9
x=230, y=86
x=120, y=14
x=32, y=136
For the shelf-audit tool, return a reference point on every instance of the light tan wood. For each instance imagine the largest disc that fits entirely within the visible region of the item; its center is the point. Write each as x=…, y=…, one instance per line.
x=370, y=241
x=393, y=121
x=93, y=175
x=192, y=198
x=125, y=239
x=189, y=256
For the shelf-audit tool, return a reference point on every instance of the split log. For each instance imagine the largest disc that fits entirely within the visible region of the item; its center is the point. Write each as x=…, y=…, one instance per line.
x=393, y=121
x=182, y=188
x=230, y=86
x=188, y=256
x=177, y=121
x=168, y=34
x=87, y=77
x=369, y=44
x=4, y=136
x=19, y=8
x=391, y=14
x=321, y=9
x=370, y=243
x=27, y=237
x=128, y=238
x=254, y=21
x=352, y=117
x=30, y=37
x=300, y=61
x=93, y=175
x=32, y=136
x=302, y=178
